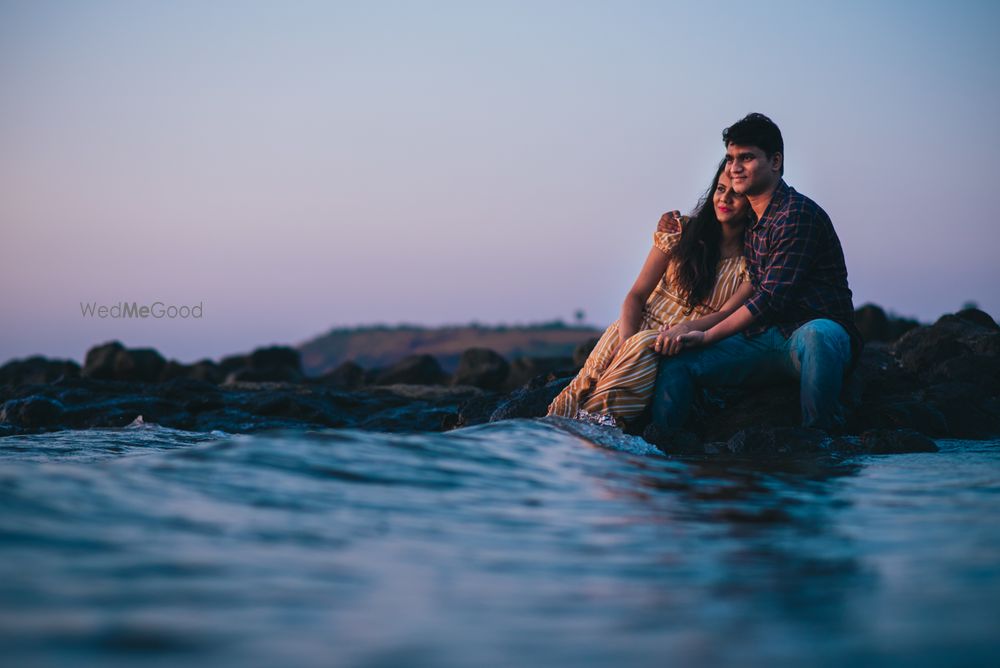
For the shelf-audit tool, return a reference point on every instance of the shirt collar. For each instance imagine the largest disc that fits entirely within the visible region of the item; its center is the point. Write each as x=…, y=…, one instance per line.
x=777, y=199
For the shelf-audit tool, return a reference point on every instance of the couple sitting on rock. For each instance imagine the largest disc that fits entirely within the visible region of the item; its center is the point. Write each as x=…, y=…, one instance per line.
x=750, y=290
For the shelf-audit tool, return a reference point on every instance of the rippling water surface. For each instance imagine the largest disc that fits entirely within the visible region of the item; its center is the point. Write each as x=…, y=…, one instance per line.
x=521, y=543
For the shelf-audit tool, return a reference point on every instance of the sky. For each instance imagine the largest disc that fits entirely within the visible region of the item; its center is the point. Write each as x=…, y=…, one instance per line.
x=293, y=167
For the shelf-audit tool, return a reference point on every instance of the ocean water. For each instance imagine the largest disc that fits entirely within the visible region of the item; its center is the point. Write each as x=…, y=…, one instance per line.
x=520, y=543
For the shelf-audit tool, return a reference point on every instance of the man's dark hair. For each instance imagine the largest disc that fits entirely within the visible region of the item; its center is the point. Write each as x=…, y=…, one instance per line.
x=757, y=130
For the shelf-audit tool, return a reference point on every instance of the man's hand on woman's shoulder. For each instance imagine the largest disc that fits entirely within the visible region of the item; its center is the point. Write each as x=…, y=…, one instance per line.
x=671, y=222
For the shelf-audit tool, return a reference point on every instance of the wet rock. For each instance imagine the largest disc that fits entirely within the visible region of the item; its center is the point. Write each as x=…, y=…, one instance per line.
x=32, y=412
x=412, y=370
x=432, y=393
x=895, y=441
x=674, y=441
x=186, y=388
x=416, y=408
x=530, y=401
x=119, y=411
x=303, y=408
x=481, y=367
x=967, y=410
x=267, y=375
x=475, y=411
x=777, y=441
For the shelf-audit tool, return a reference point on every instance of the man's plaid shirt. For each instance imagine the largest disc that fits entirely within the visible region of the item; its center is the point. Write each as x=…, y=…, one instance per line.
x=797, y=268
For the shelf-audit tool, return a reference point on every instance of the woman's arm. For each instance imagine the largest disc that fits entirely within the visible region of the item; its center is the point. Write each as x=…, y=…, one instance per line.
x=668, y=341
x=651, y=273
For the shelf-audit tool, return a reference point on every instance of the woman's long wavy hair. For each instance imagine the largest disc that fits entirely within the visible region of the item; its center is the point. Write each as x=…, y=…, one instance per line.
x=695, y=258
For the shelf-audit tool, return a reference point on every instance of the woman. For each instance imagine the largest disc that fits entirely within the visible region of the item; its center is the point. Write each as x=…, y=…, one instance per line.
x=690, y=281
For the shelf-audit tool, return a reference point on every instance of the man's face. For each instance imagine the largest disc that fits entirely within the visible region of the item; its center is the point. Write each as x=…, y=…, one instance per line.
x=749, y=169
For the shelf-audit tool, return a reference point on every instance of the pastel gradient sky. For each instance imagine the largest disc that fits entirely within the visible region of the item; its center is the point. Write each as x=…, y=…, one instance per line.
x=299, y=166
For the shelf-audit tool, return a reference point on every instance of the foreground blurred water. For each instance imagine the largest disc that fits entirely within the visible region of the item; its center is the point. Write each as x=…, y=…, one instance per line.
x=520, y=543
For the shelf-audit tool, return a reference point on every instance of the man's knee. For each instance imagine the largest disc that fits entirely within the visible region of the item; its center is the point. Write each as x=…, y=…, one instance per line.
x=823, y=341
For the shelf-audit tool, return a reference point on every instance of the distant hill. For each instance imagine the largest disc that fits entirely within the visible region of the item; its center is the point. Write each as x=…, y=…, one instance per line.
x=379, y=346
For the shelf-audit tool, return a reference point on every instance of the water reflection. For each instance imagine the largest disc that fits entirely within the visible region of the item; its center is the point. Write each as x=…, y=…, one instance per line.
x=509, y=543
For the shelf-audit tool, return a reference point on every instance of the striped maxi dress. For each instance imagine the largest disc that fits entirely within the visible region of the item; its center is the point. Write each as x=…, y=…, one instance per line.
x=622, y=387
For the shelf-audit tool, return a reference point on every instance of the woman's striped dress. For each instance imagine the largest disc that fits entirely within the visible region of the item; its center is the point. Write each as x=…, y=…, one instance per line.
x=622, y=387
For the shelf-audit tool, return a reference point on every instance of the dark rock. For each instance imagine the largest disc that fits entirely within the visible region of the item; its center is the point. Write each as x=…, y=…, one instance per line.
x=979, y=370
x=900, y=411
x=872, y=322
x=119, y=411
x=298, y=407
x=348, y=376
x=207, y=371
x=475, y=411
x=274, y=364
x=185, y=388
x=582, y=351
x=971, y=315
x=753, y=442
x=112, y=361
x=757, y=441
x=987, y=343
x=138, y=364
x=894, y=441
x=32, y=412
x=777, y=441
x=529, y=402
x=232, y=363
x=879, y=373
x=481, y=367
x=267, y=375
x=968, y=412
x=416, y=408
x=37, y=370
x=276, y=357
x=720, y=415
x=876, y=326
x=204, y=370
x=923, y=348
x=412, y=370
x=523, y=369
x=174, y=369
x=673, y=442
x=100, y=361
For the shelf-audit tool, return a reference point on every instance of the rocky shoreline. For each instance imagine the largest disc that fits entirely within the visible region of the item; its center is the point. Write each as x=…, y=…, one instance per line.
x=912, y=384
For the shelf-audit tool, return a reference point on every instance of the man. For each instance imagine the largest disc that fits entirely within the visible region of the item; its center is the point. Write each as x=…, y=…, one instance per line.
x=799, y=321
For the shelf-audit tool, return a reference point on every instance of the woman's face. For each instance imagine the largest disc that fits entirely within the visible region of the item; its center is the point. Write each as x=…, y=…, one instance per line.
x=729, y=205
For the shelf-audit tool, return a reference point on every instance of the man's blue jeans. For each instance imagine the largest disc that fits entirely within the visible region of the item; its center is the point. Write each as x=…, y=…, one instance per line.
x=817, y=354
